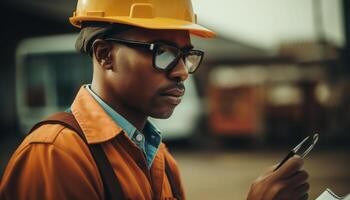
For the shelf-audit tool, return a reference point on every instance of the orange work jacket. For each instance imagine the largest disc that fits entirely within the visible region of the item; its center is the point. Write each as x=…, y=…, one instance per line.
x=54, y=163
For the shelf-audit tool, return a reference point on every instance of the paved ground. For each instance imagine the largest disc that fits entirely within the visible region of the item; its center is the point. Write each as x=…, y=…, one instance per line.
x=228, y=174
x=220, y=174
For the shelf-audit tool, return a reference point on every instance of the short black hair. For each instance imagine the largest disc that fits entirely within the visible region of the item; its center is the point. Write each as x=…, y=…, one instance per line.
x=90, y=31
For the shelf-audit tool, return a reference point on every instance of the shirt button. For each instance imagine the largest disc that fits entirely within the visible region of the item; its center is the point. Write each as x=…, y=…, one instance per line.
x=139, y=137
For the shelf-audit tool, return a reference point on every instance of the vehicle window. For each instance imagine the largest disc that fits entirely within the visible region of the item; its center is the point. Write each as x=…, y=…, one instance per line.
x=54, y=79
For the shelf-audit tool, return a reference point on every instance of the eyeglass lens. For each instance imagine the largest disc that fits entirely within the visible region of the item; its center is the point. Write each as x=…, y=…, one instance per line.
x=165, y=56
x=192, y=61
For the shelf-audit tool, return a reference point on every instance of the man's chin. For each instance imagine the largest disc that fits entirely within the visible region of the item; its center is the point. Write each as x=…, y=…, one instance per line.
x=162, y=115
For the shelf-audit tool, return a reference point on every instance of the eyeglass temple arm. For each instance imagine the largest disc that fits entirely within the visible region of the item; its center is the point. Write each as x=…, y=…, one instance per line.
x=314, y=141
x=151, y=46
x=295, y=150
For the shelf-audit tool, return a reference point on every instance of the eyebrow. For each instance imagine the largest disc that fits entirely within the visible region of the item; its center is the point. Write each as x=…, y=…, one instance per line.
x=185, y=48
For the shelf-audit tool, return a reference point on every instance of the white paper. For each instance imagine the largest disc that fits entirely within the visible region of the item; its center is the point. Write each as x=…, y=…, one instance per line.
x=329, y=195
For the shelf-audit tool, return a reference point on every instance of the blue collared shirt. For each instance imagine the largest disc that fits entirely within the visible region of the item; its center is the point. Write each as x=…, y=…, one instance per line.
x=148, y=142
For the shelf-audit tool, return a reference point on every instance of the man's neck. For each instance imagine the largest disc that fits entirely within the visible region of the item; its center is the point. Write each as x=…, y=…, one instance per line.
x=135, y=118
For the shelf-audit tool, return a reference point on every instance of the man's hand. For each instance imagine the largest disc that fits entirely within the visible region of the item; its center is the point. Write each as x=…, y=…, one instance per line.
x=289, y=182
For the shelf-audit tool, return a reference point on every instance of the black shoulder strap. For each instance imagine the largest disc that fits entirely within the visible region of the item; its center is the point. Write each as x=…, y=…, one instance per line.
x=173, y=185
x=112, y=187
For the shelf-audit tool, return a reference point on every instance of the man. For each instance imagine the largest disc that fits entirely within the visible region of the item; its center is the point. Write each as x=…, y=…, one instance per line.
x=142, y=55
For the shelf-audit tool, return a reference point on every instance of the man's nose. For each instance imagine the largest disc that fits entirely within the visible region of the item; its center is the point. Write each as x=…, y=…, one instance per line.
x=179, y=72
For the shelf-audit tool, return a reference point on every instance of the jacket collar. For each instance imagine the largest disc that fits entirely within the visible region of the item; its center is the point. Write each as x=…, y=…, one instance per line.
x=97, y=126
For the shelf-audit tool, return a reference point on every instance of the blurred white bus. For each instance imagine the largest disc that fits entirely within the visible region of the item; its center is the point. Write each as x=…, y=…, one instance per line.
x=49, y=73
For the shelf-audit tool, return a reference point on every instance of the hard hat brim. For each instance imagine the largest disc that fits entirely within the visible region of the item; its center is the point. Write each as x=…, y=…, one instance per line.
x=150, y=23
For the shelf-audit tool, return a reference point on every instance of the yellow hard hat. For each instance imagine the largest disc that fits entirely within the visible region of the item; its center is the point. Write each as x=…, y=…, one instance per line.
x=151, y=14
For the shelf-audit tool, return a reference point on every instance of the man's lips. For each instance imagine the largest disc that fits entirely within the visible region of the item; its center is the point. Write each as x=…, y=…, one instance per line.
x=174, y=92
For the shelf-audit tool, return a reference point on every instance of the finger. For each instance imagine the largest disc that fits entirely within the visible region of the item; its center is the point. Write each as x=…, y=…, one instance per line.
x=268, y=171
x=301, y=190
x=293, y=186
x=289, y=168
x=297, y=179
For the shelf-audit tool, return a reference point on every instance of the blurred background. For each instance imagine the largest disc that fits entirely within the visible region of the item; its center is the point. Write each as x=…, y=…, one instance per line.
x=277, y=72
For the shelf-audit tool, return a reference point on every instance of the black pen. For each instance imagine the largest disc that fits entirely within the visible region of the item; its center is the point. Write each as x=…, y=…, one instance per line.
x=308, y=140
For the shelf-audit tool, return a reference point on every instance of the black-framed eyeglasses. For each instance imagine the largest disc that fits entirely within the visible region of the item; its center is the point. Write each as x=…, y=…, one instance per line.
x=165, y=57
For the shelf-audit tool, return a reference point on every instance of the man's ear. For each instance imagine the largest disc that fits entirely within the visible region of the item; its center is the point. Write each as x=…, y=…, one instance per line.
x=102, y=51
